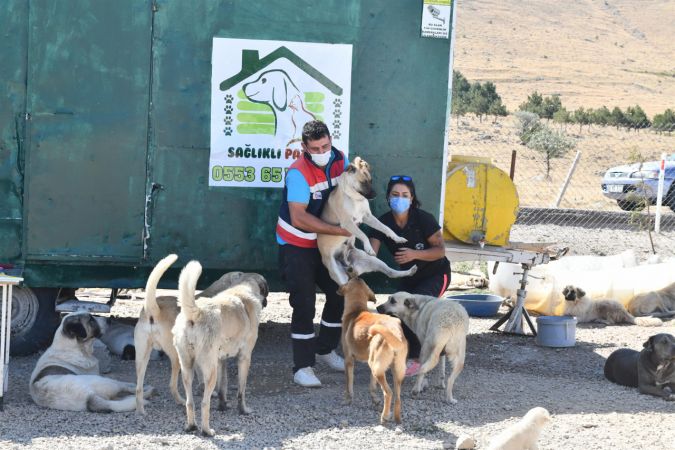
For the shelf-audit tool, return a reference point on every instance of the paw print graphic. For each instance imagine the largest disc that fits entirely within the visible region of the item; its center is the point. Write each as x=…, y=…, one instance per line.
x=336, y=134
x=337, y=102
x=337, y=123
x=229, y=98
x=228, y=131
x=228, y=109
x=228, y=120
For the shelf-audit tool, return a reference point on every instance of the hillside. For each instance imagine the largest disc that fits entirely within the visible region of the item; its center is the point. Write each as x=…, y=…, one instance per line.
x=591, y=52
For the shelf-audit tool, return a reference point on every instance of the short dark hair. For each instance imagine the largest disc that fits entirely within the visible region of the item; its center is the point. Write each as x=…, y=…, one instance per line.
x=409, y=183
x=314, y=130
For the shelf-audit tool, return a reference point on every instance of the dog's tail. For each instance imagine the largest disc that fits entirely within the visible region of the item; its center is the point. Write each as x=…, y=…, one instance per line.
x=648, y=322
x=187, y=283
x=151, y=286
x=395, y=342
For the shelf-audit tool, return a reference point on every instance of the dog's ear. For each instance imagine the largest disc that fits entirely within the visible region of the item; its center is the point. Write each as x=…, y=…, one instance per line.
x=73, y=328
x=280, y=95
x=410, y=303
x=580, y=293
x=341, y=290
x=351, y=168
x=649, y=343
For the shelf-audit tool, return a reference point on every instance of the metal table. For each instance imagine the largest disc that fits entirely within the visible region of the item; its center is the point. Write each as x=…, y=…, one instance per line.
x=525, y=254
x=7, y=282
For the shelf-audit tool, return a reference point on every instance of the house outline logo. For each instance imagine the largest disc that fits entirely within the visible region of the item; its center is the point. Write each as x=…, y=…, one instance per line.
x=277, y=90
x=262, y=94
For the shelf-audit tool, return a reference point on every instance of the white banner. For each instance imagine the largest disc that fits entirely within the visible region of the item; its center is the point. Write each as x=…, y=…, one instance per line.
x=262, y=93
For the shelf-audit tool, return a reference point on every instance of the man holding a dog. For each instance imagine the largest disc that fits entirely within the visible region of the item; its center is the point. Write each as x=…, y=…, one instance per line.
x=308, y=183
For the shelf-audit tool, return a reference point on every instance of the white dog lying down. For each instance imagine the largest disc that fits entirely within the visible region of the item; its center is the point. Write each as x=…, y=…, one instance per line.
x=524, y=434
x=620, y=280
x=67, y=375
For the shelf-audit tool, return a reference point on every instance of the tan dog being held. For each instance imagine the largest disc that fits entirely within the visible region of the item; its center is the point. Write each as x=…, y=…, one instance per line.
x=157, y=318
x=608, y=312
x=348, y=207
x=207, y=333
x=659, y=303
x=440, y=325
x=376, y=338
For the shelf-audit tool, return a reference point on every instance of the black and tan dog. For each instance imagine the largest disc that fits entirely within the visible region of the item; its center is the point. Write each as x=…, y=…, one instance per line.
x=651, y=370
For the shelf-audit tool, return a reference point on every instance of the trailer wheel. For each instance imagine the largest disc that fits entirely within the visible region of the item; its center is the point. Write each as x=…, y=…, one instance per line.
x=34, y=319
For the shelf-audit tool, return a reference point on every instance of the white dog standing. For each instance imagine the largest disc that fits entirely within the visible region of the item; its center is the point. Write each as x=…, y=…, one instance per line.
x=67, y=376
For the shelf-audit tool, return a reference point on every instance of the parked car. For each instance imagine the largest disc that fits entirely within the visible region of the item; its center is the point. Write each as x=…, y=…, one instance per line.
x=633, y=185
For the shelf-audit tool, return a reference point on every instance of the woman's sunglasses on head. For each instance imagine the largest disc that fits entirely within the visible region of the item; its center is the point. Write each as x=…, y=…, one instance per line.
x=401, y=177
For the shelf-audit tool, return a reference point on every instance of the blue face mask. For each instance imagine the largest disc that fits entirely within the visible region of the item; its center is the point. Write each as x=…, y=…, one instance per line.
x=399, y=204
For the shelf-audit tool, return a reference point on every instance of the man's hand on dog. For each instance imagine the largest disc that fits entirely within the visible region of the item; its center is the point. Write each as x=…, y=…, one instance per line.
x=405, y=255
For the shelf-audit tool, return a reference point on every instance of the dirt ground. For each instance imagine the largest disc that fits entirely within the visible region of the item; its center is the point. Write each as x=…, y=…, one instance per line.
x=503, y=378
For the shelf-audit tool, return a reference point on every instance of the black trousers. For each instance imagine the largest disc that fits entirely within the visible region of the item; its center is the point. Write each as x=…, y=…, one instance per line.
x=434, y=286
x=302, y=270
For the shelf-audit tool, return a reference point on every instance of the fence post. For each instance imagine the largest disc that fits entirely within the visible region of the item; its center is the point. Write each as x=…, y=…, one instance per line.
x=659, y=194
x=563, y=188
x=512, y=171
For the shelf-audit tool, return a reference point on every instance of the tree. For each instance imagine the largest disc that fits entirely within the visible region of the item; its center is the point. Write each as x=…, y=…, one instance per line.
x=534, y=104
x=581, y=117
x=552, y=144
x=601, y=116
x=460, y=94
x=562, y=116
x=616, y=118
x=636, y=118
x=550, y=106
x=479, y=103
x=527, y=123
x=664, y=122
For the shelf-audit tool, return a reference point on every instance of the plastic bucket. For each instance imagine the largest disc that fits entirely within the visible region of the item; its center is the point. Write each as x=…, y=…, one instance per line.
x=556, y=331
x=478, y=305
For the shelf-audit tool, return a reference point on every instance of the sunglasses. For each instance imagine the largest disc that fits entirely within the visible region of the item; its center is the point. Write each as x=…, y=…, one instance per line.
x=400, y=177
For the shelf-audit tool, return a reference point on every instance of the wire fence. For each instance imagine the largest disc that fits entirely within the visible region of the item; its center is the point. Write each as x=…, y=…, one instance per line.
x=612, y=184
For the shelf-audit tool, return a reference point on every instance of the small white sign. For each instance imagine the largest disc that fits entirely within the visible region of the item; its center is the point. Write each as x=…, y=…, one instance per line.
x=436, y=18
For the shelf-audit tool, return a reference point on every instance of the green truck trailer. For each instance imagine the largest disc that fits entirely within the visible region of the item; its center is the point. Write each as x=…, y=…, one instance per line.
x=107, y=130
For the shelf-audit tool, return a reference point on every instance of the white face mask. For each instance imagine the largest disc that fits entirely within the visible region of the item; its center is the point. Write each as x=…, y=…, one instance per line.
x=320, y=159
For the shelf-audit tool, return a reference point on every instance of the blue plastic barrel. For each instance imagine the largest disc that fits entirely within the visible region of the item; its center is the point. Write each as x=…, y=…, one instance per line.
x=556, y=331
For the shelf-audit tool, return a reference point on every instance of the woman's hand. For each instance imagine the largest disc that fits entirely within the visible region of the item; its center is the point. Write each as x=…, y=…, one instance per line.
x=405, y=255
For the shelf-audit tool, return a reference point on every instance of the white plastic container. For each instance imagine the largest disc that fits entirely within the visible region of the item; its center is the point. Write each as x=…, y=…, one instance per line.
x=556, y=331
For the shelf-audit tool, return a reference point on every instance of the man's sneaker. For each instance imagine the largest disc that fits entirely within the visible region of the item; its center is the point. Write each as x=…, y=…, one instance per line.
x=412, y=368
x=332, y=360
x=305, y=377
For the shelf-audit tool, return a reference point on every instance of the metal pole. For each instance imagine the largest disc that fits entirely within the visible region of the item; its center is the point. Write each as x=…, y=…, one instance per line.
x=659, y=194
x=567, y=179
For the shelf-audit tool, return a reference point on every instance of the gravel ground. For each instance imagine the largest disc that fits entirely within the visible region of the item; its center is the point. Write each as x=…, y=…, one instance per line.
x=503, y=378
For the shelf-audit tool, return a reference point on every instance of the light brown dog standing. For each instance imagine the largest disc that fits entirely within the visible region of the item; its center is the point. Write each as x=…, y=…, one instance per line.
x=375, y=338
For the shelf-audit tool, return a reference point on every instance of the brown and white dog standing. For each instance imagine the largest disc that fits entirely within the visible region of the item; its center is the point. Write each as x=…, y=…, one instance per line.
x=157, y=318
x=608, y=312
x=208, y=332
x=376, y=338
